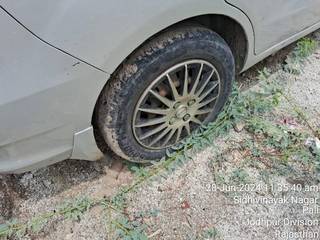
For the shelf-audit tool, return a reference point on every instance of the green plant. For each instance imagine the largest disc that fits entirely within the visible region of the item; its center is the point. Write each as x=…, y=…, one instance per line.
x=264, y=74
x=240, y=176
x=211, y=233
x=138, y=170
x=303, y=49
x=129, y=230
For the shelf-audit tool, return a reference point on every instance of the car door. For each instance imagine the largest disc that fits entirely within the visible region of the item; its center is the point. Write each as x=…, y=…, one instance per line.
x=276, y=20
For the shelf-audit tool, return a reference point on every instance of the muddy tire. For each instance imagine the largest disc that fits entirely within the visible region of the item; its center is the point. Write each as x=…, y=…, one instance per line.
x=196, y=60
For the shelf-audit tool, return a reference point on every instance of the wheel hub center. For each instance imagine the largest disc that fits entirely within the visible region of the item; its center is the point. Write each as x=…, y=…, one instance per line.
x=181, y=111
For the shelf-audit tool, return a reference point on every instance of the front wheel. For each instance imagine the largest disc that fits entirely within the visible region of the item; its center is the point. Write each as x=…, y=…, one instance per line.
x=165, y=91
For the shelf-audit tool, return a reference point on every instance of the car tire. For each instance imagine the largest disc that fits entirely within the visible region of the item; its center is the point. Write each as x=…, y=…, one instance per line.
x=190, y=52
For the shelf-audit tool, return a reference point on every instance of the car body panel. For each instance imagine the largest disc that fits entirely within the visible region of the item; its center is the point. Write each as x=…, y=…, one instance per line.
x=277, y=20
x=85, y=147
x=46, y=97
x=104, y=35
x=259, y=57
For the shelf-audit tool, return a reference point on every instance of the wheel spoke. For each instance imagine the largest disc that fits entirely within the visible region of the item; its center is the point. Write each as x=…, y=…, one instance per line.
x=179, y=134
x=195, y=85
x=187, y=126
x=164, y=100
x=154, y=111
x=202, y=112
x=196, y=120
x=157, y=139
x=205, y=83
x=152, y=132
x=201, y=105
x=169, y=137
x=151, y=122
x=203, y=96
x=173, y=88
x=186, y=81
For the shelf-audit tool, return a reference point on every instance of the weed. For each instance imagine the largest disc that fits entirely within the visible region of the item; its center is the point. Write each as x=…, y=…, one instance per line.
x=253, y=147
x=137, y=170
x=303, y=49
x=211, y=233
x=147, y=214
x=129, y=230
x=240, y=176
x=264, y=74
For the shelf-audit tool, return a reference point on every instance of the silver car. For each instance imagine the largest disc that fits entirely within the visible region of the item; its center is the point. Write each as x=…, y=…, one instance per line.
x=79, y=78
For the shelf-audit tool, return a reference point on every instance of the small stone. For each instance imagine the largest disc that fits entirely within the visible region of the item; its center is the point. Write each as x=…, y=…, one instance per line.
x=185, y=205
x=69, y=236
x=313, y=144
x=309, y=142
x=238, y=127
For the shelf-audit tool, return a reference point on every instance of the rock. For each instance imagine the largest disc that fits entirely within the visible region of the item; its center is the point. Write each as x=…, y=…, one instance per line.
x=313, y=144
x=238, y=127
x=309, y=142
x=185, y=204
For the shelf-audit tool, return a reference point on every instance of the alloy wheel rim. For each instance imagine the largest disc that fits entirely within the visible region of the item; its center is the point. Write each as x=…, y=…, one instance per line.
x=175, y=104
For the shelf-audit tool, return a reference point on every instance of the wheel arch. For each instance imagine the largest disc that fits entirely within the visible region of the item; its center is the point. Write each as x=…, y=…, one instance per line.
x=231, y=31
x=237, y=33
x=228, y=28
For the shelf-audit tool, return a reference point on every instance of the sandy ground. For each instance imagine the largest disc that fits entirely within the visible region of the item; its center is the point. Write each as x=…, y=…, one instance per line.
x=186, y=203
